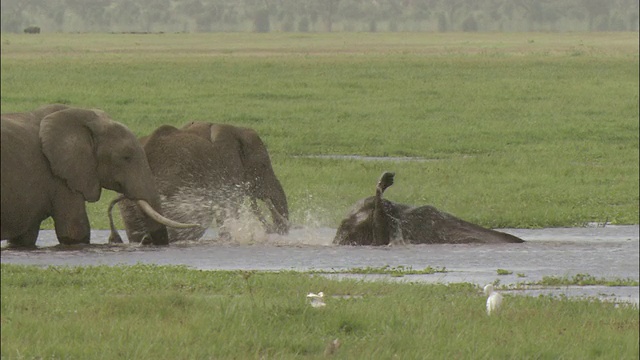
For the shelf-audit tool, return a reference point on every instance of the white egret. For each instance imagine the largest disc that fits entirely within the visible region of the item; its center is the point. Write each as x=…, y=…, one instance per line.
x=494, y=299
x=316, y=299
x=332, y=347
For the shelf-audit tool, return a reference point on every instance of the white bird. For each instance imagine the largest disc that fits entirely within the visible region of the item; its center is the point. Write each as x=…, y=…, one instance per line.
x=494, y=299
x=316, y=299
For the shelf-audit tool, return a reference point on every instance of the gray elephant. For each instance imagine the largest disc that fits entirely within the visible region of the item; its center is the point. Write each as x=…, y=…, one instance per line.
x=203, y=172
x=32, y=30
x=34, y=117
x=377, y=221
x=56, y=158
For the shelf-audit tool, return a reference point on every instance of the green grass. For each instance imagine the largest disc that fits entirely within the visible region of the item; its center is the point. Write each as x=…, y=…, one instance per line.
x=585, y=279
x=397, y=271
x=525, y=130
x=150, y=312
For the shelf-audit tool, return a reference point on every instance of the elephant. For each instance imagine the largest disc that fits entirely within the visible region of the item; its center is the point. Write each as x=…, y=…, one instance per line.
x=203, y=172
x=32, y=30
x=56, y=158
x=377, y=221
x=34, y=117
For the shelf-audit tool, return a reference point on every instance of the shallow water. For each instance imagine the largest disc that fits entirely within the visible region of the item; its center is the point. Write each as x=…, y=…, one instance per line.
x=609, y=252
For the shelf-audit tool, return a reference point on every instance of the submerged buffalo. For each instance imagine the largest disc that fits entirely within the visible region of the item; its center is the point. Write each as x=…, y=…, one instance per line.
x=377, y=221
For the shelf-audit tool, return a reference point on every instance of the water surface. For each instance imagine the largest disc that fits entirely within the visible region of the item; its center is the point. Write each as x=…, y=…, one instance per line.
x=609, y=252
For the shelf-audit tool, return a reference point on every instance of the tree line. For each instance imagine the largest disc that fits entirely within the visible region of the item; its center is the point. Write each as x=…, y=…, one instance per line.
x=318, y=15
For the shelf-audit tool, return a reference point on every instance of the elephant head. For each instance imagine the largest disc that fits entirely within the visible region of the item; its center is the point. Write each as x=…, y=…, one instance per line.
x=255, y=171
x=377, y=221
x=259, y=181
x=34, y=117
x=203, y=172
x=65, y=160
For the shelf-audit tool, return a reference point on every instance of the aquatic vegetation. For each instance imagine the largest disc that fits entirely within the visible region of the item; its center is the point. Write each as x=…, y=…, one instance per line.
x=585, y=279
x=396, y=271
x=575, y=280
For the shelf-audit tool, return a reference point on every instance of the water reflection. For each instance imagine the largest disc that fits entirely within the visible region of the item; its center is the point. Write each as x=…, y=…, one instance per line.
x=610, y=252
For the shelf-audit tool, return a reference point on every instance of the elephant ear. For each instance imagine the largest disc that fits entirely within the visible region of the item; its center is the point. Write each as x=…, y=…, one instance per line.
x=225, y=134
x=67, y=142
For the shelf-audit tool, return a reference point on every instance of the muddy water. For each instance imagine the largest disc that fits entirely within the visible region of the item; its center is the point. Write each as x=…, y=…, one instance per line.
x=609, y=252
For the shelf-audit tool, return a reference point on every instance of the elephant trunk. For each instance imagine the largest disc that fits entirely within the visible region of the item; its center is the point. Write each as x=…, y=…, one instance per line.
x=114, y=237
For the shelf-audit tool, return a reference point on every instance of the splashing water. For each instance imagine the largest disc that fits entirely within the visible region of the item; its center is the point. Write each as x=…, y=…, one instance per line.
x=246, y=229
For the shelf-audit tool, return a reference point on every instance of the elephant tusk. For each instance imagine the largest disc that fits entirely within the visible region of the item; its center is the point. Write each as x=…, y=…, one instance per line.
x=161, y=219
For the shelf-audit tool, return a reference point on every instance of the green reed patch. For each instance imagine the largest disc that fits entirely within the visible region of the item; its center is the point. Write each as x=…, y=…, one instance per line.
x=585, y=279
x=399, y=270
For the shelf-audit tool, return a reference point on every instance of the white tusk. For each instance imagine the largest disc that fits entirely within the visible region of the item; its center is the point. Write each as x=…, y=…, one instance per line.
x=161, y=219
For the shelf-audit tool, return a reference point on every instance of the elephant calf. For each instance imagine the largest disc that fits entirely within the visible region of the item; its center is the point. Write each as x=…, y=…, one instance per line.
x=203, y=172
x=377, y=221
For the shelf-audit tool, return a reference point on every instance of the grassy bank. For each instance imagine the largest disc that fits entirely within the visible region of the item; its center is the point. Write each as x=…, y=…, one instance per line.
x=522, y=130
x=150, y=312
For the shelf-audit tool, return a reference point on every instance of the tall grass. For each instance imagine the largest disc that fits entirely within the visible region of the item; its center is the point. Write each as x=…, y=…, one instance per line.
x=524, y=130
x=149, y=312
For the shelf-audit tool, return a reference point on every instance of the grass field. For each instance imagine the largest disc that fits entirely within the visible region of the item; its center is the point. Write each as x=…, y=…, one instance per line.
x=152, y=312
x=521, y=130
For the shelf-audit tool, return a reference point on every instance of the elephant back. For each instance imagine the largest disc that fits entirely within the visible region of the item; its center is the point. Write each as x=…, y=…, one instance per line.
x=188, y=166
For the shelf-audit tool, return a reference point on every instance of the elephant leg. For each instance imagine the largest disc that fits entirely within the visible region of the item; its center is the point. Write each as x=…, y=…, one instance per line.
x=382, y=223
x=221, y=215
x=133, y=220
x=228, y=208
x=26, y=240
x=258, y=213
x=70, y=218
x=281, y=223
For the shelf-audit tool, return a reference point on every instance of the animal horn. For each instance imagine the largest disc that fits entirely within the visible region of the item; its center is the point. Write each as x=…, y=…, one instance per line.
x=161, y=219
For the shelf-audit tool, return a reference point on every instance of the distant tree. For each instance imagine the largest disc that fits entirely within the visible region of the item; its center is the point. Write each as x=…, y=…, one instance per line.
x=126, y=13
x=327, y=10
x=470, y=24
x=321, y=15
x=373, y=26
x=92, y=12
x=303, y=25
x=17, y=14
x=597, y=10
x=154, y=12
x=261, y=21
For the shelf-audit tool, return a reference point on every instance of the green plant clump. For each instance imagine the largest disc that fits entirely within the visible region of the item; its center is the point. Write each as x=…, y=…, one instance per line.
x=399, y=270
x=585, y=279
